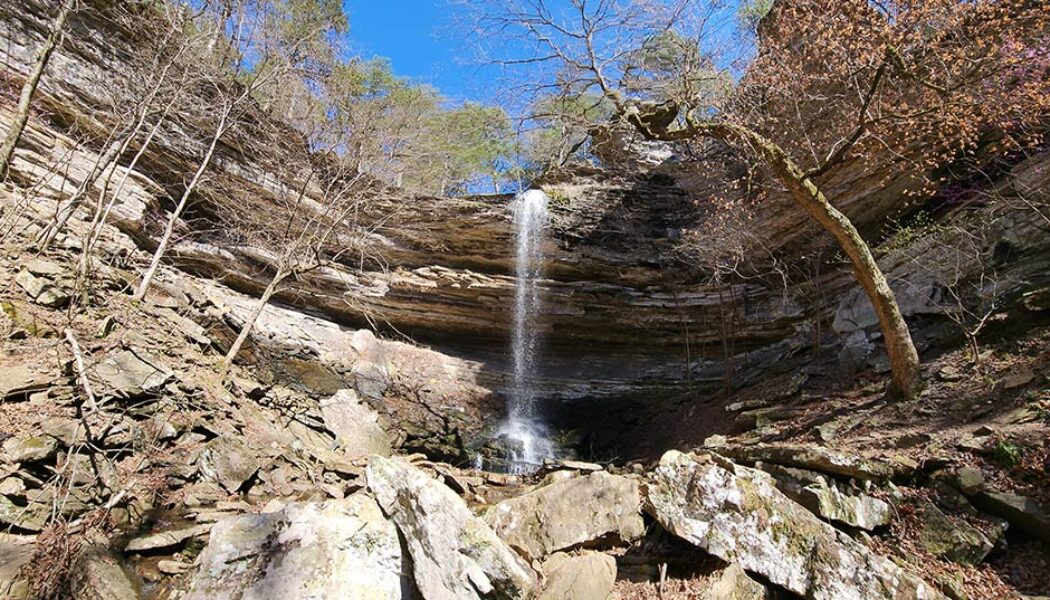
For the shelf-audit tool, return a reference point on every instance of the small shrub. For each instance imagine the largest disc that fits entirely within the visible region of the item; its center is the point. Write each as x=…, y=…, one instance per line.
x=1007, y=454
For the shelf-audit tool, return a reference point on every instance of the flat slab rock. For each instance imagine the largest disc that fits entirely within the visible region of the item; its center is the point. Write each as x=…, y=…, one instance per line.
x=816, y=458
x=129, y=373
x=584, y=576
x=305, y=551
x=355, y=425
x=827, y=499
x=570, y=512
x=166, y=539
x=1022, y=512
x=738, y=514
x=455, y=555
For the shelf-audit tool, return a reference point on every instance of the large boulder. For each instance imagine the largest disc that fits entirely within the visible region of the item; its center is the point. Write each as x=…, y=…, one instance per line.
x=738, y=514
x=584, y=576
x=455, y=555
x=355, y=425
x=337, y=549
x=955, y=539
x=227, y=461
x=98, y=575
x=568, y=513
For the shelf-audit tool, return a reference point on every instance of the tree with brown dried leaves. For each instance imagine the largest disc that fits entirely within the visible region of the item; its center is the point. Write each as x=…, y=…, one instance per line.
x=891, y=86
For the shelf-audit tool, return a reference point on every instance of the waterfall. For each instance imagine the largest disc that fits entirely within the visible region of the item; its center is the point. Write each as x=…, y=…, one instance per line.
x=523, y=426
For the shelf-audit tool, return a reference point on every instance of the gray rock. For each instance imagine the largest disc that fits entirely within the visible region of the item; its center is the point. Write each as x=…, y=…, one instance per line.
x=953, y=539
x=737, y=514
x=44, y=282
x=12, y=486
x=67, y=431
x=167, y=539
x=970, y=480
x=828, y=500
x=355, y=425
x=914, y=298
x=1024, y=513
x=816, y=458
x=15, y=552
x=455, y=555
x=129, y=374
x=568, y=513
x=97, y=575
x=19, y=381
x=584, y=576
x=172, y=567
x=32, y=517
x=1037, y=300
x=734, y=584
x=27, y=449
x=305, y=551
x=227, y=461
x=856, y=353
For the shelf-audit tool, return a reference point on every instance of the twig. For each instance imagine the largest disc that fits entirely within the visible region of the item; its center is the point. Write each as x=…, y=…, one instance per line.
x=78, y=357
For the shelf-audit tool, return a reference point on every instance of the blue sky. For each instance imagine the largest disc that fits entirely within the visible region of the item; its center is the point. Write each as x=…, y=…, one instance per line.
x=415, y=35
x=424, y=43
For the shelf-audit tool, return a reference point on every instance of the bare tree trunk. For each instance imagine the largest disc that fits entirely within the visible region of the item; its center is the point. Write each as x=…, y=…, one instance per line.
x=105, y=207
x=904, y=359
x=112, y=154
x=25, y=99
x=249, y=324
x=169, y=229
x=70, y=206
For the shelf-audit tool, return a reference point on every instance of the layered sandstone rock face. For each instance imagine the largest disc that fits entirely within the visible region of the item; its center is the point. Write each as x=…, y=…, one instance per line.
x=630, y=320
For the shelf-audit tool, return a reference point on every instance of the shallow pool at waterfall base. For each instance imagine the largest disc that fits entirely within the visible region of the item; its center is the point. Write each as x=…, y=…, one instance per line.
x=517, y=448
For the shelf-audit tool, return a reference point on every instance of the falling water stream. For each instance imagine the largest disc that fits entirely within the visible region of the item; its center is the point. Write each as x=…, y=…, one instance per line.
x=523, y=426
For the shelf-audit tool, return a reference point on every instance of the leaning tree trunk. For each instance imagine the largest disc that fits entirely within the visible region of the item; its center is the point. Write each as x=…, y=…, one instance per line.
x=249, y=324
x=169, y=229
x=43, y=55
x=904, y=360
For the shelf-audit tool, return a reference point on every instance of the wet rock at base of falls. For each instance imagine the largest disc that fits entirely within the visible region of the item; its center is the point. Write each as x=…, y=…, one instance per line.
x=734, y=584
x=97, y=575
x=454, y=554
x=336, y=549
x=737, y=514
x=955, y=539
x=129, y=374
x=828, y=500
x=355, y=425
x=228, y=462
x=1023, y=513
x=568, y=513
x=584, y=576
